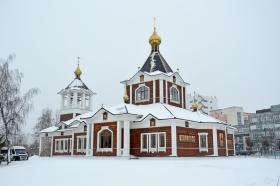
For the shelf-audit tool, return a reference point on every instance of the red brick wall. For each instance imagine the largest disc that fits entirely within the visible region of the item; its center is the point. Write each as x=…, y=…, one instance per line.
x=230, y=147
x=221, y=149
x=148, y=84
x=135, y=141
x=75, y=143
x=69, y=137
x=113, y=127
x=128, y=93
x=65, y=117
x=192, y=149
x=157, y=92
x=169, y=84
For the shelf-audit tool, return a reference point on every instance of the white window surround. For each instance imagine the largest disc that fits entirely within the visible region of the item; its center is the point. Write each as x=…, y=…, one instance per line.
x=142, y=100
x=203, y=149
x=83, y=141
x=99, y=149
x=171, y=96
x=148, y=138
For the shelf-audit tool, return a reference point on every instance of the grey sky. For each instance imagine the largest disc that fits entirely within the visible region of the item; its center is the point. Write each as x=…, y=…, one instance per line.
x=230, y=49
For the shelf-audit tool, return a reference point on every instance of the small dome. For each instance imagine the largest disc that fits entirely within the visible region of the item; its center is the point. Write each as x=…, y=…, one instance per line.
x=155, y=39
x=78, y=72
x=194, y=106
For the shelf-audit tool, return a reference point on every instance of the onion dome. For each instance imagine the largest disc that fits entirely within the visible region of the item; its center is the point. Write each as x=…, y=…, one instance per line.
x=194, y=107
x=155, y=39
x=78, y=72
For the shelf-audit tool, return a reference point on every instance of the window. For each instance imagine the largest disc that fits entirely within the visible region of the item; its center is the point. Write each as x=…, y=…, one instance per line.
x=71, y=98
x=79, y=99
x=65, y=100
x=61, y=133
x=203, y=142
x=152, y=122
x=221, y=139
x=105, y=116
x=142, y=78
x=187, y=124
x=153, y=142
x=174, y=94
x=230, y=142
x=85, y=128
x=105, y=138
x=87, y=100
x=239, y=120
x=186, y=138
x=174, y=79
x=142, y=93
x=46, y=134
x=81, y=144
x=62, y=145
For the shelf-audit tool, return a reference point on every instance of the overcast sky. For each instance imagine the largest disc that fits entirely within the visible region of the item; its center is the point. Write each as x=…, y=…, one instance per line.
x=229, y=49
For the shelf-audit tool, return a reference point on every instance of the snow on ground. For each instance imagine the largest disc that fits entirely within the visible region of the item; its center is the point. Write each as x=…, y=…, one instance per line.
x=89, y=171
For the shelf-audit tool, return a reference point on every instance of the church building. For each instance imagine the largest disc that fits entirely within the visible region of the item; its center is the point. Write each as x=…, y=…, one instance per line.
x=152, y=121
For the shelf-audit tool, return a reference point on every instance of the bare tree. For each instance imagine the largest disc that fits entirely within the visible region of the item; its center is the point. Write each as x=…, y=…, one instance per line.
x=14, y=106
x=44, y=121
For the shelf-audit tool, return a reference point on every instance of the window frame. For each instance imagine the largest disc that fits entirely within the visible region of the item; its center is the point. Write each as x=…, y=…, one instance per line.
x=149, y=149
x=171, y=95
x=99, y=149
x=83, y=140
x=203, y=149
x=139, y=100
x=62, y=145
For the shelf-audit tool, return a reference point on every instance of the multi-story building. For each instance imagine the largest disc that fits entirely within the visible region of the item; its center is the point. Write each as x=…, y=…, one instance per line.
x=205, y=103
x=231, y=115
x=265, y=128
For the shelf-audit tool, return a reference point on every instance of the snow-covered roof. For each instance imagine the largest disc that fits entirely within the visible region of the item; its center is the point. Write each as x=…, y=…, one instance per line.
x=77, y=84
x=50, y=129
x=161, y=112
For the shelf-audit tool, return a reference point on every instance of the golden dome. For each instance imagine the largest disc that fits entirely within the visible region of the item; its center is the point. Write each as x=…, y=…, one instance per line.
x=78, y=72
x=194, y=106
x=155, y=39
x=126, y=98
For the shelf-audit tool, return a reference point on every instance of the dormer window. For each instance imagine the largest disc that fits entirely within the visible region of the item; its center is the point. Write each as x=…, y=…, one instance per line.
x=174, y=79
x=142, y=78
x=85, y=128
x=152, y=122
x=105, y=116
x=142, y=93
x=174, y=94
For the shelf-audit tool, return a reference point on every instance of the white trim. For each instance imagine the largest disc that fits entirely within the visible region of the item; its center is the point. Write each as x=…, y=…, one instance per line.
x=161, y=90
x=119, y=127
x=173, y=139
x=99, y=149
x=142, y=100
x=215, y=142
x=154, y=91
x=58, y=148
x=126, y=138
x=203, y=149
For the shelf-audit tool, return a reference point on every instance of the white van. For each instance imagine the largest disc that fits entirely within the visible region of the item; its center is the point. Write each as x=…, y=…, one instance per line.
x=16, y=153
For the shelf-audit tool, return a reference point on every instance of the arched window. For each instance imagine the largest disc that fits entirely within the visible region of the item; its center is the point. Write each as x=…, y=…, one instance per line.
x=174, y=94
x=105, y=115
x=105, y=139
x=142, y=93
x=152, y=122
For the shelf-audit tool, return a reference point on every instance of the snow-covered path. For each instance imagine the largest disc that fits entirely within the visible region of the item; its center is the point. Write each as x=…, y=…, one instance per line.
x=82, y=171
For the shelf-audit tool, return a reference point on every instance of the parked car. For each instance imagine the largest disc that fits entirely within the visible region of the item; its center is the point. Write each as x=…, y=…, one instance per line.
x=17, y=153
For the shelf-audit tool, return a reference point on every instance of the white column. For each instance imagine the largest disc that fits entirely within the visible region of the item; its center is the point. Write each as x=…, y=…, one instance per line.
x=91, y=139
x=83, y=100
x=69, y=100
x=72, y=148
x=215, y=142
x=182, y=97
x=52, y=146
x=88, y=140
x=62, y=102
x=166, y=92
x=161, y=91
x=173, y=139
x=233, y=139
x=40, y=145
x=126, y=139
x=226, y=141
x=154, y=91
x=119, y=139
x=130, y=96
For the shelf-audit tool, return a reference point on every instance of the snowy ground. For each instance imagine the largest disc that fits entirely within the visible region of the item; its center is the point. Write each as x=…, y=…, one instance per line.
x=82, y=171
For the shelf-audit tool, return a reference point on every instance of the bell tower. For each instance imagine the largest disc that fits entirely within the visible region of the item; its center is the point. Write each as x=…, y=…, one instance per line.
x=76, y=98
